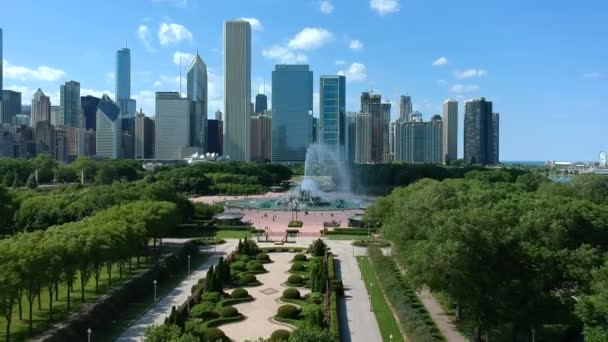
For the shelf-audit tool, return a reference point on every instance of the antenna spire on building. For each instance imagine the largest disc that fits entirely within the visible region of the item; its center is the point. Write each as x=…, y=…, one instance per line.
x=180, y=76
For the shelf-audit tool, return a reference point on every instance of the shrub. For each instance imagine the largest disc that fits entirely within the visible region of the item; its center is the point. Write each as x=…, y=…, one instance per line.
x=299, y=257
x=229, y=311
x=288, y=311
x=239, y=293
x=318, y=247
x=280, y=335
x=248, y=278
x=212, y=334
x=295, y=279
x=262, y=257
x=204, y=310
x=315, y=297
x=255, y=266
x=238, y=266
x=295, y=224
x=242, y=257
x=212, y=297
x=291, y=293
x=297, y=268
x=313, y=314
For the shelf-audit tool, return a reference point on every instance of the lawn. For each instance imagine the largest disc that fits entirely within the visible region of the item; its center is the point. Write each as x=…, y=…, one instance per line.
x=384, y=315
x=40, y=317
x=196, y=232
x=347, y=237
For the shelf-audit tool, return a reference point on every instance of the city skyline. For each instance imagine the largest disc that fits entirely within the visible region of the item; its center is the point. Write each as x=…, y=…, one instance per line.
x=442, y=67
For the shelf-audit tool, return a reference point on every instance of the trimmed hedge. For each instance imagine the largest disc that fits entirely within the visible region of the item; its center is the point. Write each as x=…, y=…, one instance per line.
x=263, y=258
x=350, y=231
x=233, y=301
x=248, y=279
x=291, y=293
x=331, y=270
x=239, y=293
x=234, y=228
x=255, y=266
x=282, y=249
x=299, y=257
x=280, y=335
x=229, y=311
x=297, y=268
x=413, y=317
x=212, y=334
x=238, y=266
x=366, y=243
x=295, y=280
x=213, y=297
x=288, y=311
x=297, y=224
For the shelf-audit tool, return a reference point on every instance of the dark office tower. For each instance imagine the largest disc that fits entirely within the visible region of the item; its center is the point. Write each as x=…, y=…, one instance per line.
x=89, y=111
x=480, y=132
x=495, y=139
x=372, y=103
x=11, y=106
x=365, y=102
x=261, y=103
x=214, y=136
x=144, y=136
x=315, y=130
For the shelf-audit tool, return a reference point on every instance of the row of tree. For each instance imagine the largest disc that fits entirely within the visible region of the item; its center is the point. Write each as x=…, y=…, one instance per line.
x=515, y=256
x=41, y=260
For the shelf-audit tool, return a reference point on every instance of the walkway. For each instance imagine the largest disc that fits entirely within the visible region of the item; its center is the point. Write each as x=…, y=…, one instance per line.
x=162, y=309
x=444, y=321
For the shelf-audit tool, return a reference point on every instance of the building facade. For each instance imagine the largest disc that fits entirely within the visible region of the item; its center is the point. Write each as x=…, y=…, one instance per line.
x=405, y=107
x=292, y=97
x=372, y=103
x=45, y=138
x=386, y=136
x=56, y=116
x=172, y=126
x=197, y=95
x=11, y=106
x=41, y=108
x=261, y=128
x=124, y=101
x=237, y=90
x=418, y=141
x=332, y=114
x=215, y=133
x=261, y=103
x=363, y=138
x=70, y=104
x=144, y=136
x=89, y=106
x=450, y=131
x=108, y=137
x=481, y=133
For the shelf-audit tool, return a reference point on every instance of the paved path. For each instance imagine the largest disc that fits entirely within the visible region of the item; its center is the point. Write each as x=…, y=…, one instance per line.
x=156, y=315
x=358, y=322
x=444, y=321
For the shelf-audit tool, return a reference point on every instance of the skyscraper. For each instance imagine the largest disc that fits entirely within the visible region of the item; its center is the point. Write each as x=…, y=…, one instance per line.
x=363, y=138
x=372, y=103
x=11, y=106
x=261, y=103
x=123, y=97
x=214, y=136
x=419, y=142
x=291, y=112
x=41, y=108
x=109, y=132
x=450, y=130
x=70, y=104
x=197, y=94
x=386, y=123
x=481, y=133
x=332, y=114
x=56, y=116
x=261, y=136
x=89, y=111
x=172, y=126
x=144, y=136
x=405, y=107
x=218, y=115
x=1, y=70
x=237, y=89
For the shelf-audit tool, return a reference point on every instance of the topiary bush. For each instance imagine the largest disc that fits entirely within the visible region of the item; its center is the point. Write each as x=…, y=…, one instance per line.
x=248, y=278
x=262, y=257
x=295, y=279
x=255, y=266
x=238, y=266
x=213, y=297
x=239, y=293
x=288, y=311
x=315, y=297
x=280, y=335
x=204, y=310
x=242, y=257
x=299, y=257
x=297, y=268
x=291, y=293
x=229, y=311
x=212, y=334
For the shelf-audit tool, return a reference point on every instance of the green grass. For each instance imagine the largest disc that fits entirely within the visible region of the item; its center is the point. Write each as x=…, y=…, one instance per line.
x=40, y=317
x=134, y=310
x=348, y=237
x=384, y=315
x=196, y=232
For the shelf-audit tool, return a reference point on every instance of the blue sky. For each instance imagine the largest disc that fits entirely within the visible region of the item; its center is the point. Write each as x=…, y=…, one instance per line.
x=543, y=63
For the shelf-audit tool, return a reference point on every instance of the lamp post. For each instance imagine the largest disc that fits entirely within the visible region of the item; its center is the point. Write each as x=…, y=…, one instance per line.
x=89, y=332
x=155, y=291
x=371, y=288
x=188, y=266
x=390, y=337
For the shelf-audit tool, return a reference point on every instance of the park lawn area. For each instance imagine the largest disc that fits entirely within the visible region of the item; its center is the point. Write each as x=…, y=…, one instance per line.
x=135, y=309
x=40, y=317
x=384, y=315
x=348, y=237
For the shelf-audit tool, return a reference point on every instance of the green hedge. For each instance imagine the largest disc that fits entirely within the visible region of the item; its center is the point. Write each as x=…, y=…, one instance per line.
x=233, y=301
x=413, y=317
x=366, y=243
x=222, y=320
x=350, y=231
x=233, y=228
x=282, y=249
x=294, y=224
x=331, y=270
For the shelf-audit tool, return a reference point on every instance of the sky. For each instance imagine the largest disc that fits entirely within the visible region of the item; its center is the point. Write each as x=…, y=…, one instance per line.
x=543, y=63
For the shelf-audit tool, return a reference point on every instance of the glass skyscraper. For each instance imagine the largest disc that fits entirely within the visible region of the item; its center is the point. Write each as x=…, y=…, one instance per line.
x=197, y=94
x=123, y=92
x=1, y=70
x=291, y=112
x=70, y=104
x=108, y=134
x=332, y=114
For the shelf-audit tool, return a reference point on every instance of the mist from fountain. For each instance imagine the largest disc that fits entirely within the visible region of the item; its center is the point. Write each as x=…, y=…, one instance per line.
x=320, y=157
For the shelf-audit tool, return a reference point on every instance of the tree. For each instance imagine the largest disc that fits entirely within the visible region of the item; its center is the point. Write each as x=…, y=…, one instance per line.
x=31, y=182
x=7, y=180
x=9, y=283
x=162, y=333
x=7, y=210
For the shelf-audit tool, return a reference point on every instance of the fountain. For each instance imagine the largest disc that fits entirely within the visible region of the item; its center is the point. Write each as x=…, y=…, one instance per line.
x=321, y=164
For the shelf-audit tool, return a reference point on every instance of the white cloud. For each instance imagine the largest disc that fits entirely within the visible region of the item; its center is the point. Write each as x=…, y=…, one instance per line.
x=256, y=24
x=143, y=33
x=464, y=88
x=172, y=33
x=96, y=93
x=284, y=55
x=592, y=75
x=470, y=73
x=185, y=57
x=440, y=61
x=355, y=44
x=340, y=62
x=176, y=3
x=310, y=38
x=146, y=100
x=356, y=72
x=442, y=82
x=384, y=7
x=42, y=73
x=326, y=7
x=157, y=84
